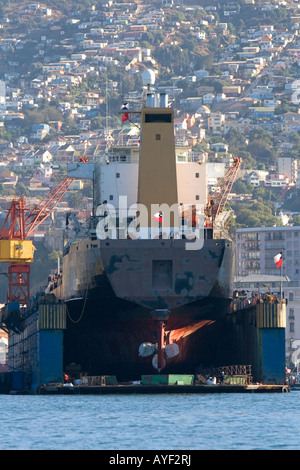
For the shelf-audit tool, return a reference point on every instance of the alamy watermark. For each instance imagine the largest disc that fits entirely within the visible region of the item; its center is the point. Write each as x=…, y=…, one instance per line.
x=164, y=221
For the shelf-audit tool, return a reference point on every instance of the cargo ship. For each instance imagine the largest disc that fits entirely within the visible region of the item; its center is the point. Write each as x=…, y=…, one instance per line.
x=148, y=285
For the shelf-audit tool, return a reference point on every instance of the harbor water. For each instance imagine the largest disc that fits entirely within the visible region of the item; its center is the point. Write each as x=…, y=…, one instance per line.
x=151, y=422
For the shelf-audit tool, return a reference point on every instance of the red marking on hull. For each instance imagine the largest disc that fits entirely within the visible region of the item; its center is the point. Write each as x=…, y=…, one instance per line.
x=176, y=335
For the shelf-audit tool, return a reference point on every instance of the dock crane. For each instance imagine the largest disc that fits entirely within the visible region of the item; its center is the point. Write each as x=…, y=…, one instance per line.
x=214, y=209
x=15, y=248
x=217, y=200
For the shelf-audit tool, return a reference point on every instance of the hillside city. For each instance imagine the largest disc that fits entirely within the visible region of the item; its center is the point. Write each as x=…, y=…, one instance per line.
x=232, y=70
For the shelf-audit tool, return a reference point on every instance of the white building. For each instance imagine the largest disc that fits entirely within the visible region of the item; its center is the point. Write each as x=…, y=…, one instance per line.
x=255, y=177
x=276, y=180
x=208, y=98
x=2, y=95
x=256, y=248
x=298, y=179
x=214, y=172
x=288, y=167
x=215, y=123
x=3, y=350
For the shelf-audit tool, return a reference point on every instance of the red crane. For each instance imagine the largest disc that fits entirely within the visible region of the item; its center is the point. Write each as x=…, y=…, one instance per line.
x=15, y=249
x=216, y=201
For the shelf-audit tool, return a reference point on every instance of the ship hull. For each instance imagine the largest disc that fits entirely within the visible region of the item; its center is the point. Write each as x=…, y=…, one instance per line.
x=114, y=294
x=106, y=340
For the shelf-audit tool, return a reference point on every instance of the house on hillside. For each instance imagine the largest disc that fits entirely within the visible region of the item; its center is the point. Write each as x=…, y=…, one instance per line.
x=215, y=123
x=255, y=177
x=276, y=180
x=202, y=111
x=65, y=154
x=208, y=98
x=38, y=132
x=57, y=140
x=219, y=147
x=8, y=178
x=43, y=174
x=42, y=156
x=180, y=123
x=261, y=112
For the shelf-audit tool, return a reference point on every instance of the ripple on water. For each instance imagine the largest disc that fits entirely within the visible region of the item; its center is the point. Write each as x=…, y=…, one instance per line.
x=155, y=422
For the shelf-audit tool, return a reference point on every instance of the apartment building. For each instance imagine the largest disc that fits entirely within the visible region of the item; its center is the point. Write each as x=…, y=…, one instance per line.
x=256, y=248
x=215, y=123
x=288, y=167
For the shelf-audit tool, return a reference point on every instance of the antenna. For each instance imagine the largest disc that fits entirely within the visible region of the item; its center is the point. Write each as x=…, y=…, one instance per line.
x=148, y=78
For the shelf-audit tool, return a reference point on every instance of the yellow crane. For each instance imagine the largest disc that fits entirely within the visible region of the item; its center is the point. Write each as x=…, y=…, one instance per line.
x=15, y=248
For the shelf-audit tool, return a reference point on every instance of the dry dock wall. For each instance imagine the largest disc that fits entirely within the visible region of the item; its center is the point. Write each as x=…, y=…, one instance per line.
x=258, y=338
x=35, y=355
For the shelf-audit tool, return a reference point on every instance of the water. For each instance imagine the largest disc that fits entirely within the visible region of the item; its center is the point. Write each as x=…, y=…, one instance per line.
x=151, y=422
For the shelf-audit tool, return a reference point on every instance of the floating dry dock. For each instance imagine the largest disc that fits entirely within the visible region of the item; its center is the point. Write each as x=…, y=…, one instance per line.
x=164, y=384
x=253, y=335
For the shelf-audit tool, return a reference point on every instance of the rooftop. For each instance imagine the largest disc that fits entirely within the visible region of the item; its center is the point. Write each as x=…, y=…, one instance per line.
x=269, y=229
x=258, y=278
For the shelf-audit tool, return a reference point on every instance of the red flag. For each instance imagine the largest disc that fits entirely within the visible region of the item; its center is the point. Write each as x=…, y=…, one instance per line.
x=125, y=117
x=278, y=260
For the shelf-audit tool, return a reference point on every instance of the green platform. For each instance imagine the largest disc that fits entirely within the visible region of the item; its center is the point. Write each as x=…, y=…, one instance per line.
x=170, y=379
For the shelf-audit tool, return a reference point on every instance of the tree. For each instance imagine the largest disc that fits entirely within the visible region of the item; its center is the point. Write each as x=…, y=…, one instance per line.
x=42, y=115
x=240, y=187
x=257, y=214
x=54, y=255
x=74, y=200
x=176, y=58
x=262, y=151
x=247, y=160
x=296, y=219
x=236, y=141
x=21, y=190
x=259, y=133
x=293, y=202
x=265, y=194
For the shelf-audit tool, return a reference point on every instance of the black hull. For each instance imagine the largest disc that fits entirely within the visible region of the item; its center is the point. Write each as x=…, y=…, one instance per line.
x=106, y=339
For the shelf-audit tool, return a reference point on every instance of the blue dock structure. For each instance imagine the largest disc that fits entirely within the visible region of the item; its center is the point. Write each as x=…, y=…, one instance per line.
x=35, y=342
x=259, y=332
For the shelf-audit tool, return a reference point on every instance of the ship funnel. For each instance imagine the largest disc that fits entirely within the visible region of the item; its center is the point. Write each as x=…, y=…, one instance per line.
x=157, y=177
x=157, y=100
x=164, y=100
x=150, y=100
